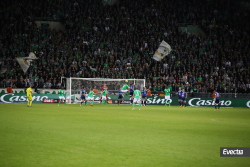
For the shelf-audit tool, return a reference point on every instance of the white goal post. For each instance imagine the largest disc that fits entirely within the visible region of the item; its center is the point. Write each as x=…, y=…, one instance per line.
x=75, y=85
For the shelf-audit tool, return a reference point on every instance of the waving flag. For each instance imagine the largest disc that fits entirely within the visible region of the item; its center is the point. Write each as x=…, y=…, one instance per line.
x=93, y=69
x=163, y=50
x=24, y=62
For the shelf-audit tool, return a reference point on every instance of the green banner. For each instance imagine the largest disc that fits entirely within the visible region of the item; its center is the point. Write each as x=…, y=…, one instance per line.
x=21, y=98
x=38, y=98
x=201, y=102
x=151, y=100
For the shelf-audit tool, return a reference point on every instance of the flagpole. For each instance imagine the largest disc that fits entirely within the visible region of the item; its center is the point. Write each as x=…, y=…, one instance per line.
x=62, y=78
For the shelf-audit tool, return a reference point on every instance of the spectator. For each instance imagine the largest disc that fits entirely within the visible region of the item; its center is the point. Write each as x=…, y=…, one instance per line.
x=9, y=85
x=240, y=90
x=204, y=89
x=110, y=41
x=44, y=86
x=54, y=84
x=247, y=89
x=149, y=92
x=187, y=88
x=2, y=84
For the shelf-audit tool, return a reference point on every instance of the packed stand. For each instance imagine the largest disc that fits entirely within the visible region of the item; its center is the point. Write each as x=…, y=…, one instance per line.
x=119, y=41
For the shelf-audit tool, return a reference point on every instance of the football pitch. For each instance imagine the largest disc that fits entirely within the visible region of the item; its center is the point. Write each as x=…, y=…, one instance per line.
x=113, y=136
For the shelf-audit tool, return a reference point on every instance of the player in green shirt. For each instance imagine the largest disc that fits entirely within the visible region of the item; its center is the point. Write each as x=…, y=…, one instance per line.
x=137, y=98
x=104, y=96
x=61, y=97
x=167, y=96
x=90, y=97
x=125, y=88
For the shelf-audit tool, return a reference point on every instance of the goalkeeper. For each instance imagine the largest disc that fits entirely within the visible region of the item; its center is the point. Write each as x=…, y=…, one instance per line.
x=29, y=93
x=90, y=97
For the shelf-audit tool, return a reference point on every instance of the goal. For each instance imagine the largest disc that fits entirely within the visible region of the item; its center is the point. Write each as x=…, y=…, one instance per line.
x=74, y=87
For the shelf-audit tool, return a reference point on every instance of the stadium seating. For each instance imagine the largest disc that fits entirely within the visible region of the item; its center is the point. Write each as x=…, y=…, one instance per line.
x=109, y=38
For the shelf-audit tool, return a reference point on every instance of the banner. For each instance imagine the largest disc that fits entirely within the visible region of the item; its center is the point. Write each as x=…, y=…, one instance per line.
x=44, y=98
x=52, y=100
x=24, y=62
x=48, y=100
x=201, y=102
x=151, y=100
x=22, y=98
x=93, y=69
x=163, y=50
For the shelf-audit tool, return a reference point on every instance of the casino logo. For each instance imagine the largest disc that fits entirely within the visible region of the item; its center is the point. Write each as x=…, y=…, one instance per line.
x=200, y=102
x=248, y=104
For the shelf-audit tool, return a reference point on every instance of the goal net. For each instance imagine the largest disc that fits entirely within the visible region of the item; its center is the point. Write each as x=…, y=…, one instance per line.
x=74, y=88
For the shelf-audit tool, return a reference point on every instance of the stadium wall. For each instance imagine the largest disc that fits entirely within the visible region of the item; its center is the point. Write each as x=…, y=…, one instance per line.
x=151, y=100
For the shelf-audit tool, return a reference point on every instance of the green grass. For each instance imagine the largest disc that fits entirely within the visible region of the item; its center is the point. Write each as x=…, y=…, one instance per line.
x=112, y=135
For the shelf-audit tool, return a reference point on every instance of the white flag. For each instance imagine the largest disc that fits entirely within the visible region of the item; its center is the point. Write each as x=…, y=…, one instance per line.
x=24, y=62
x=93, y=69
x=163, y=50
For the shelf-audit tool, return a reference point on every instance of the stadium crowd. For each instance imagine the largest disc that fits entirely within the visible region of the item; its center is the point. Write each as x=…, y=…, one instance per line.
x=118, y=41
